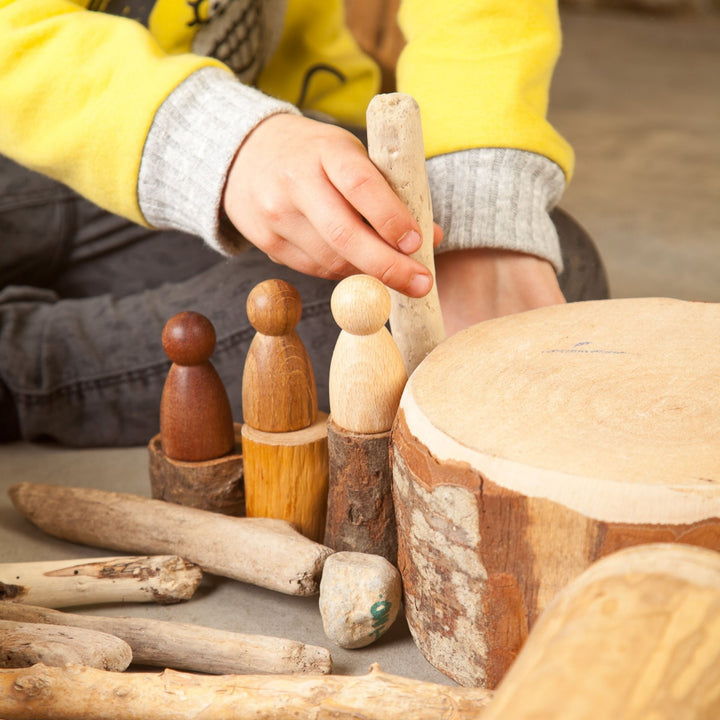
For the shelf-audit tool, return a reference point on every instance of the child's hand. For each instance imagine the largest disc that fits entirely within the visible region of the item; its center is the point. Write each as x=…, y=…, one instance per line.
x=307, y=195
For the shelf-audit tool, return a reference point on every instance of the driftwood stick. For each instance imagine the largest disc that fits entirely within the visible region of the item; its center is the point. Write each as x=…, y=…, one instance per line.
x=25, y=644
x=41, y=693
x=164, y=579
x=262, y=551
x=183, y=646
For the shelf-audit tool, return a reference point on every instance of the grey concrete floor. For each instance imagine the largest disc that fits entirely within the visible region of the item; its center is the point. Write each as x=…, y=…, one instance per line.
x=639, y=99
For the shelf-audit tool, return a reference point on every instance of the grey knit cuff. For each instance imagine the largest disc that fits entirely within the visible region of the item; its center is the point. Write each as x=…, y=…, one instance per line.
x=188, y=152
x=499, y=198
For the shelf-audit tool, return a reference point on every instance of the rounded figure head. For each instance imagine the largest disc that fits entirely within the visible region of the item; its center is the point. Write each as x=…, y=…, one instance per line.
x=188, y=338
x=360, y=305
x=274, y=307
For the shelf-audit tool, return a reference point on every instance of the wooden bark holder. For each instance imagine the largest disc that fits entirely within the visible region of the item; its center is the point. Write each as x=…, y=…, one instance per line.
x=529, y=446
x=216, y=485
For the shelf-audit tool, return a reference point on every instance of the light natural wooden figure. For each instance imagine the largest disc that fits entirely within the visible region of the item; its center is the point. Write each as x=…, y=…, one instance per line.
x=163, y=579
x=184, y=646
x=367, y=377
x=284, y=437
x=262, y=551
x=529, y=446
x=195, y=459
x=395, y=145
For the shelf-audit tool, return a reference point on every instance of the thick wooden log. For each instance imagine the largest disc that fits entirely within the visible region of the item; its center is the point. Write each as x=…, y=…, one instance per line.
x=395, y=146
x=43, y=693
x=361, y=516
x=530, y=446
x=183, y=646
x=287, y=475
x=164, y=579
x=261, y=551
x=216, y=485
x=25, y=644
x=636, y=636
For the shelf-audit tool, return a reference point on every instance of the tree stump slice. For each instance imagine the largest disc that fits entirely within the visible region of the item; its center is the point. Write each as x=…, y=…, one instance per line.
x=216, y=485
x=528, y=447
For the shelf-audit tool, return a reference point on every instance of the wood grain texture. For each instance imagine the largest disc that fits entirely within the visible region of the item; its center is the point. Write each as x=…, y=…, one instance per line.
x=67, y=694
x=195, y=417
x=216, y=485
x=286, y=476
x=265, y=552
x=395, y=146
x=24, y=644
x=164, y=579
x=528, y=447
x=361, y=515
x=279, y=392
x=184, y=646
x=635, y=636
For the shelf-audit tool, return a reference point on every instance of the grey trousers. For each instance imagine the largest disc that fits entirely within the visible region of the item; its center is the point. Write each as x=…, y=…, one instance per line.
x=84, y=296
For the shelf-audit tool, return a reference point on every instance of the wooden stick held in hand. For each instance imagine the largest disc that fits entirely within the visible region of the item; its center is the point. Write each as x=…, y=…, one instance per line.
x=395, y=145
x=183, y=646
x=265, y=552
x=163, y=579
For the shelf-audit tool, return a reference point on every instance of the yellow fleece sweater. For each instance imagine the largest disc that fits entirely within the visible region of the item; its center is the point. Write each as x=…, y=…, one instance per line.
x=80, y=88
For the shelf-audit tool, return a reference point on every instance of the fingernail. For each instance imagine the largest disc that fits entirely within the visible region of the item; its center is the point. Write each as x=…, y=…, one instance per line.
x=419, y=285
x=410, y=242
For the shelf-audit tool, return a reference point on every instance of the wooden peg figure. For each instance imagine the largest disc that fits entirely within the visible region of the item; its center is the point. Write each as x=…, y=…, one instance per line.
x=196, y=458
x=367, y=378
x=367, y=372
x=284, y=437
x=279, y=392
x=195, y=416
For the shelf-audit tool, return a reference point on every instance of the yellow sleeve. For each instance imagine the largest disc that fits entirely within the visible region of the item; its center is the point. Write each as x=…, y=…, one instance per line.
x=314, y=47
x=78, y=92
x=480, y=71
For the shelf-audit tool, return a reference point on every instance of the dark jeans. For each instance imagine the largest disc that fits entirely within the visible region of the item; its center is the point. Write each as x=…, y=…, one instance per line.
x=85, y=296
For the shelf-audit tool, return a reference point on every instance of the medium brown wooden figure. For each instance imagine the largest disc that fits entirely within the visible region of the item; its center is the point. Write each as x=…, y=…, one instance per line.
x=279, y=393
x=284, y=437
x=195, y=460
x=367, y=377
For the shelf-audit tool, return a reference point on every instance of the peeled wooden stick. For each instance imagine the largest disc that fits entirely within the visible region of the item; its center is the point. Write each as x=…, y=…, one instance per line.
x=40, y=692
x=164, y=579
x=183, y=646
x=395, y=145
x=25, y=644
x=261, y=551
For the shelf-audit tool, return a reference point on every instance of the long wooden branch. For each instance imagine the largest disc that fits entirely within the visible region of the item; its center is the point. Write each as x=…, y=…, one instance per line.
x=42, y=693
x=262, y=551
x=24, y=644
x=163, y=579
x=183, y=646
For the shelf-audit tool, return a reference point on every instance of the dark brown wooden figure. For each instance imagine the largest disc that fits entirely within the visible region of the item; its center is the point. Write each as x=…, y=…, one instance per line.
x=279, y=392
x=195, y=417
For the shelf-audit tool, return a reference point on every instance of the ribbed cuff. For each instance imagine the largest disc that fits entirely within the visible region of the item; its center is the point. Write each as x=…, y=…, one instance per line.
x=188, y=152
x=499, y=198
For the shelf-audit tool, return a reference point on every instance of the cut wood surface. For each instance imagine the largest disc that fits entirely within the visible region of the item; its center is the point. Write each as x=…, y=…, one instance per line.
x=184, y=646
x=530, y=446
x=43, y=693
x=395, y=145
x=163, y=579
x=24, y=644
x=637, y=636
x=265, y=552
